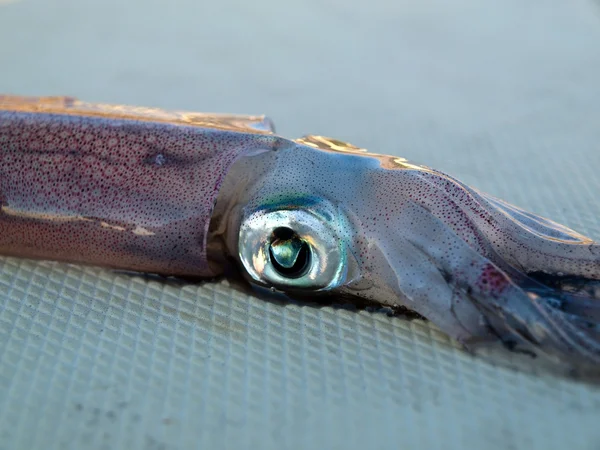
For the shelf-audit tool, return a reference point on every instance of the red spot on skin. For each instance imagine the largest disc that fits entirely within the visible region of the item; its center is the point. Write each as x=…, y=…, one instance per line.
x=491, y=280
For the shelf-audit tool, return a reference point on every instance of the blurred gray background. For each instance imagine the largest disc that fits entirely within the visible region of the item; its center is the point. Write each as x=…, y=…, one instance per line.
x=504, y=95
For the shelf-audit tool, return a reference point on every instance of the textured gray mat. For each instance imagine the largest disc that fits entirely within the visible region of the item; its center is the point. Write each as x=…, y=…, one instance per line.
x=503, y=95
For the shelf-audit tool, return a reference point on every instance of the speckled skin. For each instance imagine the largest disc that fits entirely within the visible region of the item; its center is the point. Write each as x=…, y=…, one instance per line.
x=126, y=188
x=480, y=269
x=170, y=193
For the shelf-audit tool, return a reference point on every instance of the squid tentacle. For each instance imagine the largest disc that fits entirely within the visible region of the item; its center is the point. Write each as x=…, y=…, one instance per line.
x=499, y=305
x=524, y=240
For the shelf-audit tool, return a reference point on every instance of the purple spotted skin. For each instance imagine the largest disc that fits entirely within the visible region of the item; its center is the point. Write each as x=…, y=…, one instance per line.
x=126, y=188
x=188, y=194
x=410, y=237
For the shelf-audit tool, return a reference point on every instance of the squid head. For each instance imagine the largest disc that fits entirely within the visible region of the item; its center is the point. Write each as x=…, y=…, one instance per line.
x=318, y=217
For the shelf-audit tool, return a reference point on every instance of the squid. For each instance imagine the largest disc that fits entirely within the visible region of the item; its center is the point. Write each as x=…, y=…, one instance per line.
x=196, y=196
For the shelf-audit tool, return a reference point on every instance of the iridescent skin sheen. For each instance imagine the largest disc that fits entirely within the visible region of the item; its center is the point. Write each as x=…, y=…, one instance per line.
x=186, y=194
x=408, y=236
x=127, y=188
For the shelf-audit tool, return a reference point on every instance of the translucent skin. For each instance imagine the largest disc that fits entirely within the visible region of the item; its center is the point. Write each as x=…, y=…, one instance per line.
x=480, y=269
x=121, y=187
x=153, y=191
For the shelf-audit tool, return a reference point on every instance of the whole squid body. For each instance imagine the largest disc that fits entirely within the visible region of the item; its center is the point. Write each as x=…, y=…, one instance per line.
x=193, y=195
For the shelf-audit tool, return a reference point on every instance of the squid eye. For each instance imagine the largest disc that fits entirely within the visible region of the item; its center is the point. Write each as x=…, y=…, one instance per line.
x=290, y=255
x=292, y=249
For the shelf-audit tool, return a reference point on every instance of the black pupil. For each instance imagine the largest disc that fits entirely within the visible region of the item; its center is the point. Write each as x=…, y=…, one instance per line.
x=289, y=254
